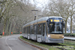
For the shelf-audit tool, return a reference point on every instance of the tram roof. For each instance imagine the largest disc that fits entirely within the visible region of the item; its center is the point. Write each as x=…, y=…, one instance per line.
x=41, y=19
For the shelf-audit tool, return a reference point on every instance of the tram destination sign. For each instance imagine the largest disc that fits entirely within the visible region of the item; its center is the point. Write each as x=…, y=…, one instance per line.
x=56, y=20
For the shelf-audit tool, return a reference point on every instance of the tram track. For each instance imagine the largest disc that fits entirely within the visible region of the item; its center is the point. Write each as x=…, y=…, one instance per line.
x=69, y=43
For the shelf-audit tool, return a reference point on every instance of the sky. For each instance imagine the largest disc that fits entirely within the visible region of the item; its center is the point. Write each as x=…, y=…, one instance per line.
x=39, y=3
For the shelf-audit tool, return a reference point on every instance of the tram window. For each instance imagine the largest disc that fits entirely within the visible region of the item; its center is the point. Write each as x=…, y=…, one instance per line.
x=29, y=29
x=39, y=28
x=55, y=28
x=26, y=30
x=43, y=28
x=32, y=29
x=23, y=30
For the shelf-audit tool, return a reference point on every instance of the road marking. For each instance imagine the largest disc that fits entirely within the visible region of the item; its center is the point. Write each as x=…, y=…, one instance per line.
x=7, y=44
x=12, y=39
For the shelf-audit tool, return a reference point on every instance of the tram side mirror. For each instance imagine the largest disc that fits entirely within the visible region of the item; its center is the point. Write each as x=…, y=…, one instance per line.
x=43, y=34
x=63, y=24
x=47, y=20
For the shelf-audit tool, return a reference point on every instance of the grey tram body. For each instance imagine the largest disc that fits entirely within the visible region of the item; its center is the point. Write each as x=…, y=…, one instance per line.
x=43, y=36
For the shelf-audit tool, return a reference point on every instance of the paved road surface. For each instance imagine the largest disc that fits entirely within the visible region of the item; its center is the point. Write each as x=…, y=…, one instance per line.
x=13, y=43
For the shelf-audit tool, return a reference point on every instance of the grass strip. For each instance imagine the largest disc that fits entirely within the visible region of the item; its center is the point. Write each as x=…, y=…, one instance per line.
x=68, y=45
x=0, y=36
x=40, y=44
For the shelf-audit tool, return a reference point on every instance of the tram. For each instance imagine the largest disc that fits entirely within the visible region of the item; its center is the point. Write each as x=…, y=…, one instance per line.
x=45, y=29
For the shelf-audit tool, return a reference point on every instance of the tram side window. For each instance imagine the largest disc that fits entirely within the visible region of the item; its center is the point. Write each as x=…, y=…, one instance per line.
x=26, y=30
x=39, y=28
x=32, y=29
x=29, y=29
x=23, y=30
x=43, y=29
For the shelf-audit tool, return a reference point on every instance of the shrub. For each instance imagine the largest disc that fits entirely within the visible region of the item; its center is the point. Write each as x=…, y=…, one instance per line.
x=69, y=34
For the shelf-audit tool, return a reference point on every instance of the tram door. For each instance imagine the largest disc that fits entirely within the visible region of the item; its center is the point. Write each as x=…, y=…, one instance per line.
x=43, y=31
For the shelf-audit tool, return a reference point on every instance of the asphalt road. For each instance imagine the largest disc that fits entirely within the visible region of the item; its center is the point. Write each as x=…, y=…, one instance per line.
x=13, y=43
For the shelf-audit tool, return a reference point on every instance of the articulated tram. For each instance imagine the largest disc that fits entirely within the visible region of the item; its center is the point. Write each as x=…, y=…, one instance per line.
x=46, y=29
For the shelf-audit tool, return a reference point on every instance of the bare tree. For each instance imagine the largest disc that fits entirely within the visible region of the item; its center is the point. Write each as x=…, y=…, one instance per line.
x=60, y=8
x=17, y=13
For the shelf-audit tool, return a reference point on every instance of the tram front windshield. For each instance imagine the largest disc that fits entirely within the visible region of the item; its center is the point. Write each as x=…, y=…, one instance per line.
x=55, y=27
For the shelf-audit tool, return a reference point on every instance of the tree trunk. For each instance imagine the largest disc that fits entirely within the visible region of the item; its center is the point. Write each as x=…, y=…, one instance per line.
x=10, y=29
x=7, y=28
x=13, y=29
x=71, y=25
x=4, y=25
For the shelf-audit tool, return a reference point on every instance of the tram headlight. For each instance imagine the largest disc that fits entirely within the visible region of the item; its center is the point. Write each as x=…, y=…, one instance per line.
x=63, y=36
x=48, y=35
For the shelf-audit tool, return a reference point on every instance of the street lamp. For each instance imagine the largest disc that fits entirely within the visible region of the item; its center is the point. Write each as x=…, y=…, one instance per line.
x=34, y=14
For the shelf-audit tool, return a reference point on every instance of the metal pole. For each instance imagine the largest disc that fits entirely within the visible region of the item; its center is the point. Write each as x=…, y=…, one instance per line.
x=35, y=14
x=35, y=18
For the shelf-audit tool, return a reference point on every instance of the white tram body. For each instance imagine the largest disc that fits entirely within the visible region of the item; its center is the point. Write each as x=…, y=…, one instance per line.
x=46, y=29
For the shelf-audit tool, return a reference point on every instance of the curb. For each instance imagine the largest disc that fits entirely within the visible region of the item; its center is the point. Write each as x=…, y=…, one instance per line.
x=39, y=47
